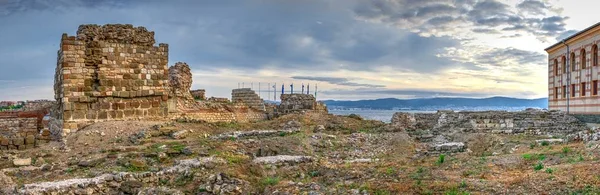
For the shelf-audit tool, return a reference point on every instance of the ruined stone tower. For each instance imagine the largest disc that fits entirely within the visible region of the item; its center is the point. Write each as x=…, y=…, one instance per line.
x=110, y=72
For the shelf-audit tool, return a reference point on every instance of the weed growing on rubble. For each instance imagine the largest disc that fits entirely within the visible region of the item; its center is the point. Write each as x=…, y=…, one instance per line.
x=538, y=166
x=270, y=181
x=441, y=159
x=545, y=143
x=549, y=170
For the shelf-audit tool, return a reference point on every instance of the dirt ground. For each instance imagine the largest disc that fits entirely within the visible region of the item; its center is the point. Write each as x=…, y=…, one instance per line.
x=351, y=156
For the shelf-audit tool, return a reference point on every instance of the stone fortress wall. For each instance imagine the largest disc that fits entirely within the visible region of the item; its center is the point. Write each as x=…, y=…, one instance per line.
x=110, y=72
x=249, y=97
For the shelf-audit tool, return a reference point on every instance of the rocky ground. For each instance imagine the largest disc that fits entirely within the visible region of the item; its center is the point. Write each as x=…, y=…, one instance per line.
x=296, y=154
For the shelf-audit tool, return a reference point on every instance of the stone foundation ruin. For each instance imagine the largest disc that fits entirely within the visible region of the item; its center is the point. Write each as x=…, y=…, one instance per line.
x=294, y=103
x=445, y=131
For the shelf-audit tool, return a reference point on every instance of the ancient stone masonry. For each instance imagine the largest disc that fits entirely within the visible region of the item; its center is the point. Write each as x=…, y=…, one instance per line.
x=530, y=121
x=180, y=81
x=248, y=97
x=110, y=72
x=445, y=131
x=198, y=94
x=291, y=103
x=19, y=130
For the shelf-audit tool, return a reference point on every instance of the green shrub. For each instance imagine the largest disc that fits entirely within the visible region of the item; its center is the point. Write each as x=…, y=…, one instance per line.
x=441, y=158
x=541, y=157
x=566, y=150
x=462, y=184
x=545, y=143
x=270, y=181
x=538, y=166
x=527, y=156
x=549, y=170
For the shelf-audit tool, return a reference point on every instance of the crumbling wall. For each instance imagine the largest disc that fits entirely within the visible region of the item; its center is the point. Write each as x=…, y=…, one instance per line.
x=248, y=97
x=530, y=121
x=180, y=82
x=291, y=103
x=198, y=94
x=110, y=72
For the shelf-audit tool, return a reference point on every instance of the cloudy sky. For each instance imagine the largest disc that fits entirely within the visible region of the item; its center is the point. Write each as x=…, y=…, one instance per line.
x=353, y=49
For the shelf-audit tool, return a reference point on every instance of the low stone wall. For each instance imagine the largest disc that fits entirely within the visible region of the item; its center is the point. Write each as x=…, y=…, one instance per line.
x=218, y=116
x=530, y=121
x=291, y=103
x=18, y=133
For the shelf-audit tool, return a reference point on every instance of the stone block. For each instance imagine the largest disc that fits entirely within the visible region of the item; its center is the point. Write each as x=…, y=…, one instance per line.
x=4, y=141
x=18, y=141
x=145, y=104
x=30, y=140
x=67, y=115
x=79, y=114
x=102, y=115
x=128, y=113
x=119, y=114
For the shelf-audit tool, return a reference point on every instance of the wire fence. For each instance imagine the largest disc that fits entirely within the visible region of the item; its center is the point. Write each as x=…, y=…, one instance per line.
x=272, y=91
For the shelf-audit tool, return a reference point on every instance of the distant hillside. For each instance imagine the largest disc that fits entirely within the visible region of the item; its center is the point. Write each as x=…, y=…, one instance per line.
x=430, y=103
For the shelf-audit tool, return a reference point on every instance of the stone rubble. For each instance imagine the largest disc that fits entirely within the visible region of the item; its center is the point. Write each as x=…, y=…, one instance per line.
x=182, y=134
x=253, y=133
x=450, y=147
x=549, y=141
x=283, y=159
x=100, y=184
x=22, y=161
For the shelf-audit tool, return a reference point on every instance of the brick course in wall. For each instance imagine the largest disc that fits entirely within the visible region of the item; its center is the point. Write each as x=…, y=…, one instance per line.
x=238, y=112
x=248, y=97
x=110, y=72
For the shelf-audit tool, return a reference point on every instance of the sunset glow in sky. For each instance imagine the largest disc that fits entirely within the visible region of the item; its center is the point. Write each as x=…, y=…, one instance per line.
x=353, y=49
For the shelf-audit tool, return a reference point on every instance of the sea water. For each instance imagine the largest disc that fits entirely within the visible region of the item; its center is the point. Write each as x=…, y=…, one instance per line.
x=382, y=115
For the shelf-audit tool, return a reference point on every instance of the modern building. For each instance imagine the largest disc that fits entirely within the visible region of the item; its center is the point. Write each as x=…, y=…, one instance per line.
x=573, y=73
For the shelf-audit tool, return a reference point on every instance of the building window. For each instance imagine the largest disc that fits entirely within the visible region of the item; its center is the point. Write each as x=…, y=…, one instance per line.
x=555, y=67
x=595, y=55
x=582, y=89
x=595, y=87
x=583, y=58
x=572, y=90
x=573, y=67
x=556, y=93
x=564, y=64
x=564, y=91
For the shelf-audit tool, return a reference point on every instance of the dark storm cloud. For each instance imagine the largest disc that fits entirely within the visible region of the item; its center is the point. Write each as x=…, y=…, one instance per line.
x=483, y=14
x=336, y=81
x=247, y=35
